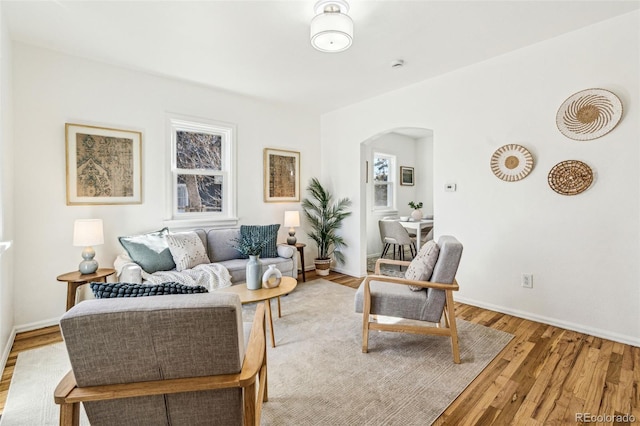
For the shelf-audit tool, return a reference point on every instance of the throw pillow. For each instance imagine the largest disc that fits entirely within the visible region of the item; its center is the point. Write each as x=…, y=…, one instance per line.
x=266, y=232
x=187, y=250
x=150, y=251
x=109, y=290
x=421, y=267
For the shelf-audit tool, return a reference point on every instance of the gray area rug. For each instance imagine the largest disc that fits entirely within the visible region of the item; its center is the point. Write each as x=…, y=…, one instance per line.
x=317, y=372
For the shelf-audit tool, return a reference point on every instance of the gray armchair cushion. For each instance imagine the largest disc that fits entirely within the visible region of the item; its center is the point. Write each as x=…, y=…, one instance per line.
x=396, y=300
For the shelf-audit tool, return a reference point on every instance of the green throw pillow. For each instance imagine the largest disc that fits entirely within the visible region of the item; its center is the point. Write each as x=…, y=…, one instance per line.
x=266, y=232
x=150, y=251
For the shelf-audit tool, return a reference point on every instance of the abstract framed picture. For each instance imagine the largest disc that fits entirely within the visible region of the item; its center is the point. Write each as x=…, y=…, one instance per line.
x=281, y=176
x=406, y=176
x=103, y=165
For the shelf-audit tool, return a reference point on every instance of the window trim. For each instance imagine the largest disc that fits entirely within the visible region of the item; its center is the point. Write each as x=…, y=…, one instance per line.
x=228, y=215
x=391, y=182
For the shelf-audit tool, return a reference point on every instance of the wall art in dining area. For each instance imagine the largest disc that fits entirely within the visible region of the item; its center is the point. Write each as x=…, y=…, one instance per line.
x=589, y=114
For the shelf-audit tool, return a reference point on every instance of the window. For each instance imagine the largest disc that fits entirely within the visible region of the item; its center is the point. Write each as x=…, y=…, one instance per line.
x=383, y=181
x=202, y=172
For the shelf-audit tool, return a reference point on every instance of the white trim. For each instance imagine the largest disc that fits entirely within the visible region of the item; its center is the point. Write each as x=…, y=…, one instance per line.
x=597, y=332
x=7, y=349
x=176, y=224
x=227, y=217
x=37, y=325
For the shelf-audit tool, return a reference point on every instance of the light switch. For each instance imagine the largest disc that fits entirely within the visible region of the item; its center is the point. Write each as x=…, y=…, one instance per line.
x=450, y=187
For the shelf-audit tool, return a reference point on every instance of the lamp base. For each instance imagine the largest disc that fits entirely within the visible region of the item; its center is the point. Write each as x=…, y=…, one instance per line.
x=89, y=265
x=291, y=239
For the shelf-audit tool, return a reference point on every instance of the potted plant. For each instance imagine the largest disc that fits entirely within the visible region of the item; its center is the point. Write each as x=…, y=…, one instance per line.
x=325, y=218
x=251, y=245
x=416, y=214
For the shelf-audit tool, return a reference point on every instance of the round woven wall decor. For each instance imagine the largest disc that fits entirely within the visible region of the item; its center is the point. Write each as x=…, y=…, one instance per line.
x=589, y=114
x=570, y=177
x=511, y=162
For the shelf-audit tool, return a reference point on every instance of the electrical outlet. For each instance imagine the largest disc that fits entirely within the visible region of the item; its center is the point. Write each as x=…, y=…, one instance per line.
x=527, y=280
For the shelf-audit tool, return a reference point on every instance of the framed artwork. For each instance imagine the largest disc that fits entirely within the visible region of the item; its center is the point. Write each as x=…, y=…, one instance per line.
x=281, y=176
x=103, y=165
x=406, y=176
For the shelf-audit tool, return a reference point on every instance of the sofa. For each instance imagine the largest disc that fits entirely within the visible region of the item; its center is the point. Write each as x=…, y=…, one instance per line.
x=134, y=266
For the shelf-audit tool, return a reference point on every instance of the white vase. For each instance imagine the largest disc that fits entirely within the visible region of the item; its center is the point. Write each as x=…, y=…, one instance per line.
x=272, y=277
x=254, y=271
x=416, y=214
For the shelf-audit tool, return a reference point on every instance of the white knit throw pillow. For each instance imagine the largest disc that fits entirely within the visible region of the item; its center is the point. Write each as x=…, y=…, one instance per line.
x=421, y=267
x=187, y=250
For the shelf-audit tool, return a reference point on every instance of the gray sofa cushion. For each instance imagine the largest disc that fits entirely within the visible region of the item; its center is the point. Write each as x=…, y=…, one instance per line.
x=220, y=244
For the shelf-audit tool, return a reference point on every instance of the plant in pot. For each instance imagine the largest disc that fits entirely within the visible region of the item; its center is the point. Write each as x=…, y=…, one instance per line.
x=251, y=244
x=325, y=217
x=416, y=214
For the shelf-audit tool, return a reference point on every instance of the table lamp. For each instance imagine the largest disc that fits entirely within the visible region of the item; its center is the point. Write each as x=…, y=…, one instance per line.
x=291, y=219
x=88, y=233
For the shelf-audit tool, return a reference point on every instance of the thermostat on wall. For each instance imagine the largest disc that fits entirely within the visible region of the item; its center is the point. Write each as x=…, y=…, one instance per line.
x=450, y=187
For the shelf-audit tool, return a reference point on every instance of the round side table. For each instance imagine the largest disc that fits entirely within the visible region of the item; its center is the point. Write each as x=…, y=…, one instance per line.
x=75, y=279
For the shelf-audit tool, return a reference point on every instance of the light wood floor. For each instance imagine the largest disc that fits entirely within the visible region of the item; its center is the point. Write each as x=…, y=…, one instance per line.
x=545, y=375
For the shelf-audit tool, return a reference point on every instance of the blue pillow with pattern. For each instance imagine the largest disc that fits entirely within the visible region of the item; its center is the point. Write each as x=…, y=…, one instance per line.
x=267, y=232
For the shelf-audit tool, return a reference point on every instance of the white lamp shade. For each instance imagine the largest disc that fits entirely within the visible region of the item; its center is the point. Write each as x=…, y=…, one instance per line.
x=331, y=32
x=87, y=232
x=291, y=219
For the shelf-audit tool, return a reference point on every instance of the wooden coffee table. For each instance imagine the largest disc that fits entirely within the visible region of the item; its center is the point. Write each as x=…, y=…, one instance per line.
x=287, y=285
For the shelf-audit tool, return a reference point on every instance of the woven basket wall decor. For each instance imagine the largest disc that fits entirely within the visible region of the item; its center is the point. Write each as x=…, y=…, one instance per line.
x=511, y=162
x=589, y=114
x=570, y=177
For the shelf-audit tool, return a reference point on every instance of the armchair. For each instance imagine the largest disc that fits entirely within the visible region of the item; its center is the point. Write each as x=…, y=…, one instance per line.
x=161, y=360
x=391, y=296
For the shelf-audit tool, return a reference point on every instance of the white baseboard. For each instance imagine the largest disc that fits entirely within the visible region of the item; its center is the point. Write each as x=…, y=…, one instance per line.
x=605, y=334
x=36, y=325
x=7, y=349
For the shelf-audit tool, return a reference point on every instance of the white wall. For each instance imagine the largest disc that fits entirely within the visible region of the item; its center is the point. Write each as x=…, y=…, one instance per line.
x=52, y=89
x=582, y=250
x=6, y=193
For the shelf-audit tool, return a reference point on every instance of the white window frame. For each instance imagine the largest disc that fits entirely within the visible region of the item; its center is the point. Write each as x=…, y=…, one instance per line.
x=390, y=183
x=227, y=132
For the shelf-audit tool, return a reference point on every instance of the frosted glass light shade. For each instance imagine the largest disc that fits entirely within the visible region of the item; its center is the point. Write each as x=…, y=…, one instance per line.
x=87, y=232
x=331, y=32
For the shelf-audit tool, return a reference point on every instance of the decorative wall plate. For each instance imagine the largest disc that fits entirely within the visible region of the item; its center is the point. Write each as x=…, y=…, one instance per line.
x=589, y=114
x=511, y=162
x=570, y=177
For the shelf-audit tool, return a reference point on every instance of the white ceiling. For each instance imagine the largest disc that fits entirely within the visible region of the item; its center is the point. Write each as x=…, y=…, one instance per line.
x=261, y=48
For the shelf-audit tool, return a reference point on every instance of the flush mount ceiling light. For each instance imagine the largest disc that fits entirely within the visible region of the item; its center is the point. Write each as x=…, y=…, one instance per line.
x=331, y=28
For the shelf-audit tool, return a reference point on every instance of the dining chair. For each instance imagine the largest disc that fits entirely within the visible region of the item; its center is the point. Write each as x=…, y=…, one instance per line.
x=393, y=233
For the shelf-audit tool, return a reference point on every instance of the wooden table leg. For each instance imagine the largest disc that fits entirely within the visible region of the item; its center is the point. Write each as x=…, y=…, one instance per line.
x=268, y=306
x=279, y=311
x=71, y=294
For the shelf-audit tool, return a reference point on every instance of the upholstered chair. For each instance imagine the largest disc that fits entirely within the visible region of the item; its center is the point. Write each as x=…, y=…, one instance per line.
x=163, y=360
x=392, y=233
x=425, y=294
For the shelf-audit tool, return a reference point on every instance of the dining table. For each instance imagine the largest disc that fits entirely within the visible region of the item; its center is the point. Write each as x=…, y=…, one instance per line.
x=418, y=226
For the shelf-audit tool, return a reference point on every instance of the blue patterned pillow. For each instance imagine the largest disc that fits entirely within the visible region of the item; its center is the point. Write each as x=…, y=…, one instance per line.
x=268, y=233
x=109, y=290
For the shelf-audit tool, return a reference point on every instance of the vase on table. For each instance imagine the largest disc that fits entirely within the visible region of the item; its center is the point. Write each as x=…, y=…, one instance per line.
x=416, y=215
x=254, y=273
x=272, y=277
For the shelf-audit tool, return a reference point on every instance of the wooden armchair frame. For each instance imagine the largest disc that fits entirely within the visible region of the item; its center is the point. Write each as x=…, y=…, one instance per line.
x=69, y=396
x=446, y=327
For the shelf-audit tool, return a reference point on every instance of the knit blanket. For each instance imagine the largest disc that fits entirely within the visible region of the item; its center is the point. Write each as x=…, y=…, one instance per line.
x=209, y=275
